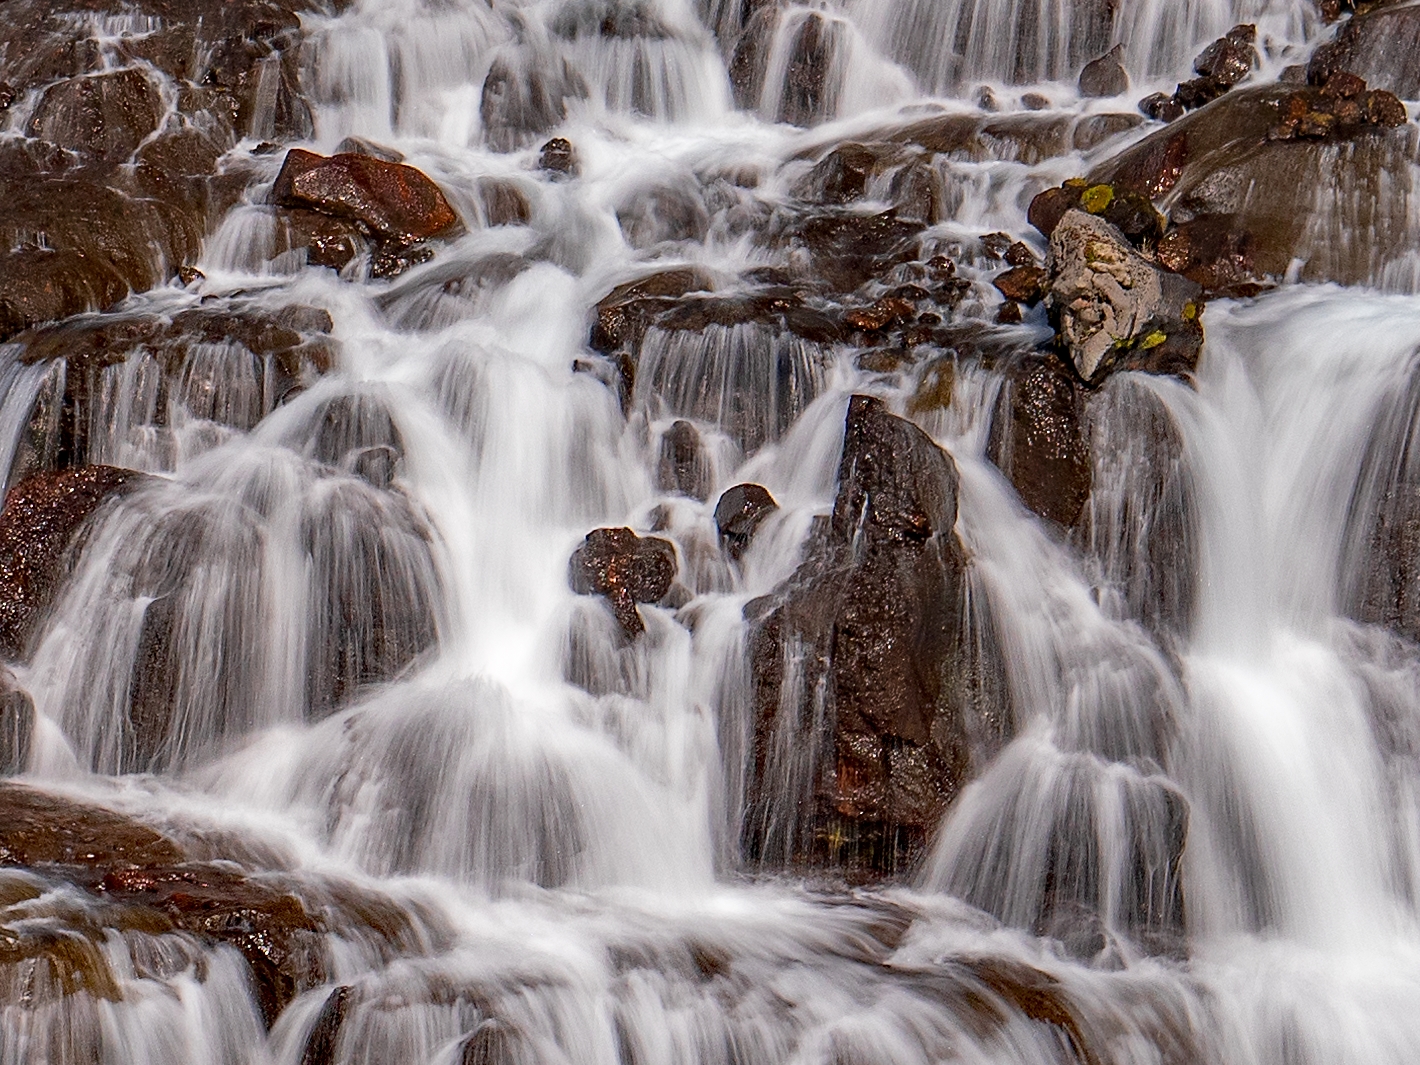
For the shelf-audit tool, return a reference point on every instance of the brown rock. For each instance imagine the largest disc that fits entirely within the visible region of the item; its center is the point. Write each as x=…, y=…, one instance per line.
x=1230, y=58
x=889, y=310
x=808, y=95
x=17, y=725
x=1024, y=284
x=1162, y=107
x=1037, y=439
x=105, y=115
x=41, y=517
x=869, y=624
x=320, y=1046
x=504, y=204
x=624, y=312
x=625, y=569
x=1216, y=253
x=559, y=157
x=519, y=105
x=1105, y=76
x=738, y=514
x=683, y=466
x=1377, y=45
x=38, y=829
x=395, y=203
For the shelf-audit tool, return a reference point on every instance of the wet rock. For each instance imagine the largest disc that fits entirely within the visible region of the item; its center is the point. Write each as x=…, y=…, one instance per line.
x=1038, y=439
x=1024, y=284
x=1105, y=76
x=269, y=927
x=1023, y=138
x=625, y=569
x=504, y=204
x=519, y=105
x=491, y=1043
x=105, y=115
x=1217, y=253
x=1377, y=45
x=665, y=213
x=41, y=517
x=327, y=241
x=808, y=96
x=321, y=1043
x=395, y=204
x=38, y=829
x=848, y=249
x=361, y=146
x=1344, y=107
x=683, y=466
x=1323, y=199
x=888, y=311
x=751, y=56
x=1113, y=307
x=17, y=725
x=623, y=314
x=1220, y=66
x=558, y=156
x=1125, y=208
x=842, y=175
x=738, y=514
x=863, y=730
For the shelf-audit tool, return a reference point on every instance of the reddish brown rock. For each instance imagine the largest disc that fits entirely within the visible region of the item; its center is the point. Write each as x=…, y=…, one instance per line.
x=1024, y=284
x=41, y=829
x=1038, y=440
x=865, y=725
x=396, y=204
x=738, y=514
x=104, y=115
x=625, y=569
x=41, y=517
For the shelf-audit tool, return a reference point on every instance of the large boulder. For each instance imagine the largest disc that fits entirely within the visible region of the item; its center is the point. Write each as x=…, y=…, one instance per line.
x=1273, y=176
x=1113, y=308
x=864, y=727
x=103, y=115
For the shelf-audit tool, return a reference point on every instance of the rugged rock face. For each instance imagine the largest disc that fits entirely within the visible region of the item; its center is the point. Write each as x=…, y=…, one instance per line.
x=625, y=569
x=41, y=518
x=1219, y=67
x=123, y=191
x=863, y=723
x=1112, y=307
x=1378, y=45
x=1259, y=184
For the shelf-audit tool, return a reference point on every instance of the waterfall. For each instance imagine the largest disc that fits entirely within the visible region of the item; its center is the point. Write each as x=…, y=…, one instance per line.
x=929, y=703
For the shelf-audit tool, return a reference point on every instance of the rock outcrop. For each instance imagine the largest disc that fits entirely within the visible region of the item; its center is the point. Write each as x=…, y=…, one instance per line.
x=864, y=725
x=1379, y=46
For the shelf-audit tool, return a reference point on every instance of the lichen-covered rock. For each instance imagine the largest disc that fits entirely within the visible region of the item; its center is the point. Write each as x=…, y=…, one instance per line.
x=625, y=569
x=1111, y=306
x=864, y=725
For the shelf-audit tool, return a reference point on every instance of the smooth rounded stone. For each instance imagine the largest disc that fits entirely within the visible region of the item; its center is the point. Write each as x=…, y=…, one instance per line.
x=38, y=829
x=396, y=203
x=1105, y=76
x=361, y=146
x=625, y=569
x=41, y=518
x=872, y=618
x=738, y=514
x=103, y=115
x=623, y=314
x=1024, y=284
x=1038, y=439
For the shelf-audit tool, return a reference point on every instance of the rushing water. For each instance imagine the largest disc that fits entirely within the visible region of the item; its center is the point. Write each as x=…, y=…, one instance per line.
x=557, y=814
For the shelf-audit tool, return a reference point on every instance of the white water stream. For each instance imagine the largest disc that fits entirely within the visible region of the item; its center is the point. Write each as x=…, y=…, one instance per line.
x=569, y=851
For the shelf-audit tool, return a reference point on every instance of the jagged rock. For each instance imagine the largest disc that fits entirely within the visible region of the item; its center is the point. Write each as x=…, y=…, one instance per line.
x=1162, y=107
x=395, y=204
x=738, y=514
x=41, y=517
x=1282, y=196
x=623, y=314
x=863, y=728
x=625, y=569
x=1105, y=76
x=1023, y=284
x=103, y=115
x=1038, y=441
x=1379, y=46
x=1220, y=66
x=321, y=1042
x=1112, y=306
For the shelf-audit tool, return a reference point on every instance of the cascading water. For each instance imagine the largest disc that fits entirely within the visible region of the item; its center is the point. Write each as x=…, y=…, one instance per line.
x=324, y=638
